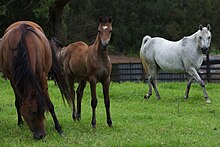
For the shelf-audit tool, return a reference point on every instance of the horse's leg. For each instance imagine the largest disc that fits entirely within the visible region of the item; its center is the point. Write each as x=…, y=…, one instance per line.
x=196, y=76
x=79, y=91
x=17, y=105
x=154, y=70
x=49, y=104
x=188, y=87
x=105, y=86
x=92, y=81
x=149, y=89
x=72, y=93
x=52, y=112
x=153, y=82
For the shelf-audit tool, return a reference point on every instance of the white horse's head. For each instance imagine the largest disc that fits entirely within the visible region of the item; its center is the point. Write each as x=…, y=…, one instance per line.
x=204, y=38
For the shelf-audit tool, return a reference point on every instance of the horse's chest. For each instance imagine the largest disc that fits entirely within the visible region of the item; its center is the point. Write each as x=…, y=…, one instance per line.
x=101, y=71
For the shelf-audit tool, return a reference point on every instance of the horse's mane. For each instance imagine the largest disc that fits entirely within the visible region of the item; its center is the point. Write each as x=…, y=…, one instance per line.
x=23, y=76
x=58, y=42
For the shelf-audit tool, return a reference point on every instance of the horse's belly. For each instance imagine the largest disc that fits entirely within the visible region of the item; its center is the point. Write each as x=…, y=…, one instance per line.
x=173, y=70
x=172, y=67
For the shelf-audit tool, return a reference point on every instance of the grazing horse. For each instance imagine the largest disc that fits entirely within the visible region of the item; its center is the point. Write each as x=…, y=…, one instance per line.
x=89, y=63
x=183, y=56
x=25, y=59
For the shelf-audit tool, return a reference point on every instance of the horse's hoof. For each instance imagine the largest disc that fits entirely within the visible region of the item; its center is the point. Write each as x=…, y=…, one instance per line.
x=20, y=123
x=74, y=116
x=60, y=132
x=94, y=126
x=78, y=117
x=208, y=101
x=109, y=123
x=147, y=96
x=158, y=98
x=62, y=135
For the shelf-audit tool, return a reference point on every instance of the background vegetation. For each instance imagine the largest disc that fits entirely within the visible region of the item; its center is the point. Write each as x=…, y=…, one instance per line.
x=171, y=121
x=73, y=20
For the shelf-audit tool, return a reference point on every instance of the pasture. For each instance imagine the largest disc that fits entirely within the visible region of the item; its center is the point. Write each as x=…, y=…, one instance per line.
x=171, y=121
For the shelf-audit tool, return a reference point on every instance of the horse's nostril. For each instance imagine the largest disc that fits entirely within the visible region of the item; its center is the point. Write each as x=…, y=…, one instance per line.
x=39, y=136
x=104, y=45
x=204, y=50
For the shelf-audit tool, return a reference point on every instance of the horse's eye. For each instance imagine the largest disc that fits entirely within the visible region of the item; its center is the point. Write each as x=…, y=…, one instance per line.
x=99, y=31
x=110, y=31
x=209, y=38
x=200, y=37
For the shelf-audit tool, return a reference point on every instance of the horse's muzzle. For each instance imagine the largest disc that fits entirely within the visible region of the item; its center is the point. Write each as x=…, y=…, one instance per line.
x=104, y=45
x=204, y=50
x=39, y=135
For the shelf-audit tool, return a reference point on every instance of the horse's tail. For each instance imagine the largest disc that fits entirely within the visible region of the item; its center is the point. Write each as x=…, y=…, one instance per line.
x=145, y=39
x=144, y=63
x=60, y=77
x=23, y=77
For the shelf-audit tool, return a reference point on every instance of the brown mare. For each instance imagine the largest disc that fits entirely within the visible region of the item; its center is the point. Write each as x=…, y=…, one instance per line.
x=89, y=63
x=25, y=59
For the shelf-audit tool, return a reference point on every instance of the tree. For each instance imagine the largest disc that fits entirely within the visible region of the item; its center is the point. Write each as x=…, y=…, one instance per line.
x=55, y=18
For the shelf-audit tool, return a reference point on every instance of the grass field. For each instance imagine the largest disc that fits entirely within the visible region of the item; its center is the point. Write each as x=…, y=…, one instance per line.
x=171, y=121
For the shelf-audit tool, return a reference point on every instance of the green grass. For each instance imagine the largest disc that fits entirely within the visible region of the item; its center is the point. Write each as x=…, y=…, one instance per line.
x=171, y=121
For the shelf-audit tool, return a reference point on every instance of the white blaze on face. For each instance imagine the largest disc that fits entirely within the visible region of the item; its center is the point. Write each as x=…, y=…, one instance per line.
x=105, y=27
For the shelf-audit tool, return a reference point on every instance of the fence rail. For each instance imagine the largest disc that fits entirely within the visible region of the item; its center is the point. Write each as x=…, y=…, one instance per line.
x=210, y=72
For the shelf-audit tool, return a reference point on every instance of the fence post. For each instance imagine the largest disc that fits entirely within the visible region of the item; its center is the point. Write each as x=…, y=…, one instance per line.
x=207, y=67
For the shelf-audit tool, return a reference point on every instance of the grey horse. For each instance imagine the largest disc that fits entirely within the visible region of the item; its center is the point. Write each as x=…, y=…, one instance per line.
x=183, y=56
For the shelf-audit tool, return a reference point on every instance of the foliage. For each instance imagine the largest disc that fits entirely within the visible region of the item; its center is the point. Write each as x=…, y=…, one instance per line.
x=171, y=121
x=133, y=20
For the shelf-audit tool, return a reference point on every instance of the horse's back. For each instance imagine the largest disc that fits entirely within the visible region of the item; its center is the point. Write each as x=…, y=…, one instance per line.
x=33, y=24
x=35, y=41
x=76, y=56
x=78, y=50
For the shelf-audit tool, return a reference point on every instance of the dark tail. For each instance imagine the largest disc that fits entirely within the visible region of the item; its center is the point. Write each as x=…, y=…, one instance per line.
x=23, y=76
x=58, y=73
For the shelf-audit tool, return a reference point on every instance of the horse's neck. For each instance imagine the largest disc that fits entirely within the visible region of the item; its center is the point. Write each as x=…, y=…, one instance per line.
x=192, y=40
x=193, y=37
x=102, y=54
x=192, y=48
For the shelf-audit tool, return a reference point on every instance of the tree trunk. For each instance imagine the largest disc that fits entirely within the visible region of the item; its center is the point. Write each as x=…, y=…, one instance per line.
x=55, y=19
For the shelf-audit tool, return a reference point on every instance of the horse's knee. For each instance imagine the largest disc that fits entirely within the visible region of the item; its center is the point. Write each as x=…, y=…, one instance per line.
x=202, y=84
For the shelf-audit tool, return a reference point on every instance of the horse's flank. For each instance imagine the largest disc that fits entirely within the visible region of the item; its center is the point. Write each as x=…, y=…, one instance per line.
x=77, y=51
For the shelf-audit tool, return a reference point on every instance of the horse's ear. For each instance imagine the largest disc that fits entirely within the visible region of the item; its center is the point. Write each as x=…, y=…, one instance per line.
x=110, y=20
x=200, y=27
x=209, y=27
x=100, y=19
